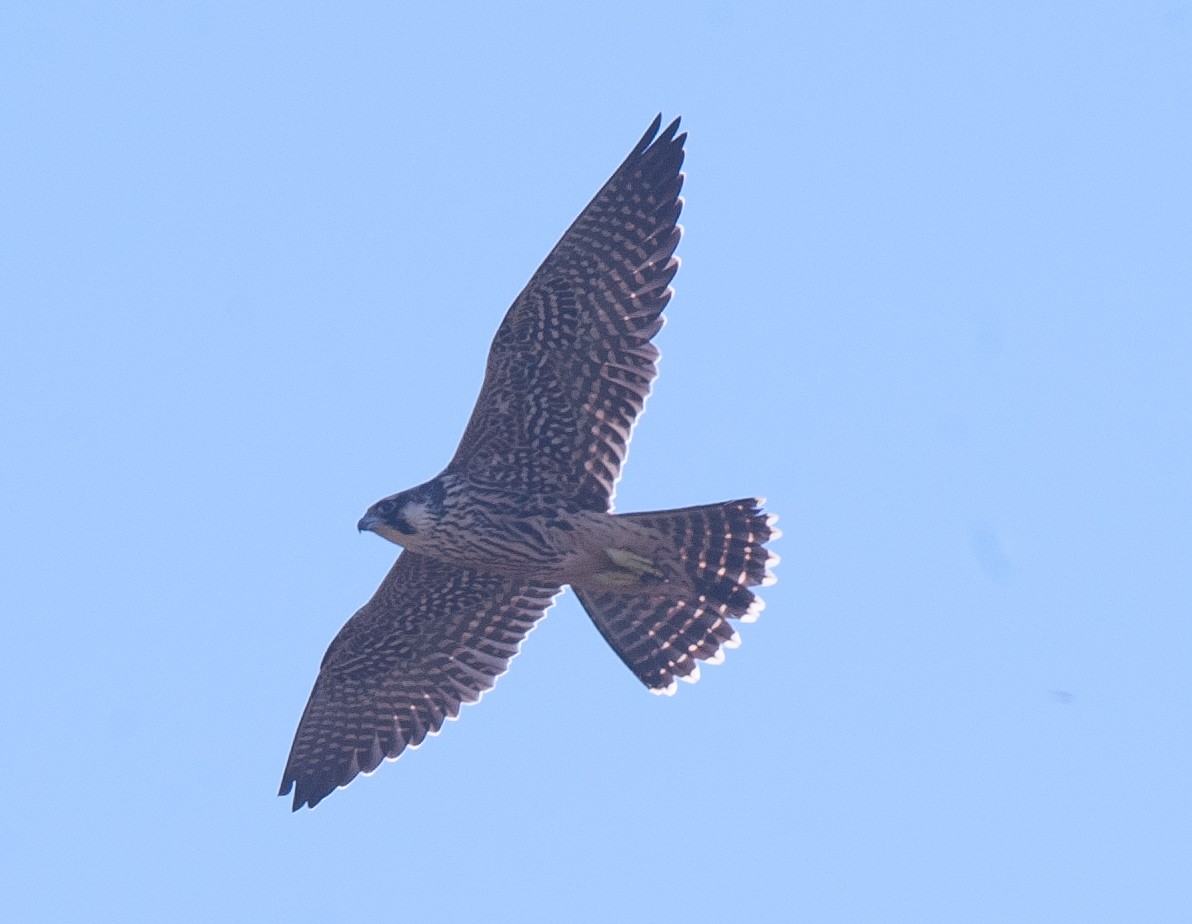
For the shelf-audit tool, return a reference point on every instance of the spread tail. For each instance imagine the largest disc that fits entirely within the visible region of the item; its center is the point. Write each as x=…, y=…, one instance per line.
x=663, y=630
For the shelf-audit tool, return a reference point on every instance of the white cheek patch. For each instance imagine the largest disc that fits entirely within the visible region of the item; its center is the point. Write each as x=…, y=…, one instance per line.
x=418, y=515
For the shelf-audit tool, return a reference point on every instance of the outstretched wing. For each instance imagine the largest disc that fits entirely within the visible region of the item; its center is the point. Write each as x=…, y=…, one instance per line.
x=571, y=364
x=433, y=637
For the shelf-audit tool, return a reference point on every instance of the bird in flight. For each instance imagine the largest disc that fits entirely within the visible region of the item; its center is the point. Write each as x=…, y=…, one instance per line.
x=525, y=506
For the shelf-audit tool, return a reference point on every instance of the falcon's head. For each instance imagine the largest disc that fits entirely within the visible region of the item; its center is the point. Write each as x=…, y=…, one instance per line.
x=404, y=518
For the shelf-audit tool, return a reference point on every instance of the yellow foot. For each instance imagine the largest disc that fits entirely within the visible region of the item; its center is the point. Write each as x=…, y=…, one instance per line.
x=637, y=567
x=615, y=579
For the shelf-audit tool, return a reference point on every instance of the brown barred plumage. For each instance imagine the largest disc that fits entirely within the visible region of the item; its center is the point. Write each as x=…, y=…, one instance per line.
x=662, y=631
x=433, y=637
x=525, y=504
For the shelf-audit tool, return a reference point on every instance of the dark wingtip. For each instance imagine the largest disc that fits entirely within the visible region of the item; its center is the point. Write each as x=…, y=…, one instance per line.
x=652, y=138
x=305, y=799
x=303, y=795
x=647, y=139
x=300, y=801
x=668, y=133
x=287, y=784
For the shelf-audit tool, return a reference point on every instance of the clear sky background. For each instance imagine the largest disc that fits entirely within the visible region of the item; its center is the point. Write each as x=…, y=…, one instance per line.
x=935, y=304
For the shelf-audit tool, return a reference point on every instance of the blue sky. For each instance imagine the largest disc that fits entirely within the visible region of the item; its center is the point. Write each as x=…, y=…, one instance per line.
x=934, y=304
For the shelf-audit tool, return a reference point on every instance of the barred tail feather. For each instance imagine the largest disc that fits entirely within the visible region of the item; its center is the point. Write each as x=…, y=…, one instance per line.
x=662, y=632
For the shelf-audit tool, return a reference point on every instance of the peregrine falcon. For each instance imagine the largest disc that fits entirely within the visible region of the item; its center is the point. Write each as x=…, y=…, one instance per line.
x=525, y=506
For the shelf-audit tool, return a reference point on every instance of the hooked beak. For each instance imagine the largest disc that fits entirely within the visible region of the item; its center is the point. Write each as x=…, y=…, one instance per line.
x=368, y=521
